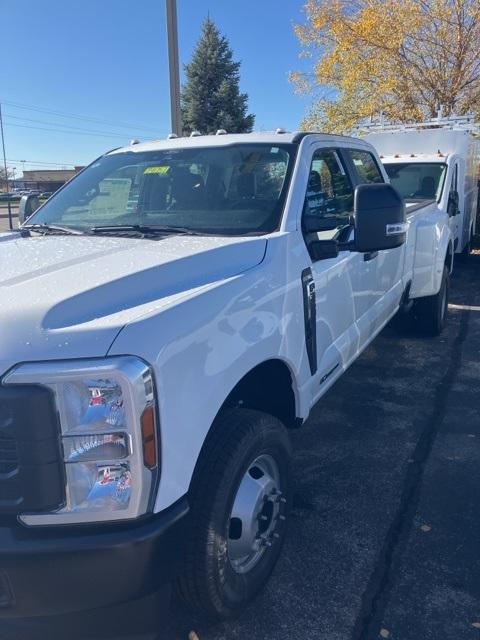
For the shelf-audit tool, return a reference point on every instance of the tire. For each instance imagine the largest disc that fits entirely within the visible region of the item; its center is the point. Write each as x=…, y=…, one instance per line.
x=431, y=312
x=244, y=451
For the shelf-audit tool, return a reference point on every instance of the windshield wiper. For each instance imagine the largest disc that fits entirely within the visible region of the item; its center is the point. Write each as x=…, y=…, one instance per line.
x=45, y=229
x=143, y=230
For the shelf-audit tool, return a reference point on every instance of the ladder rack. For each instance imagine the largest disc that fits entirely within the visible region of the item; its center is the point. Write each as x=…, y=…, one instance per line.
x=458, y=123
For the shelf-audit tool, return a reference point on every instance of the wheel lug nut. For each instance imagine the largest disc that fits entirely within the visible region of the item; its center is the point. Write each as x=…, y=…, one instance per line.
x=262, y=518
x=281, y=517
x=276, y=535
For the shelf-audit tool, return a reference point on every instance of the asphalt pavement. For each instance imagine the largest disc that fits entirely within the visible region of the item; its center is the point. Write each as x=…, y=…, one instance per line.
x=384, y=540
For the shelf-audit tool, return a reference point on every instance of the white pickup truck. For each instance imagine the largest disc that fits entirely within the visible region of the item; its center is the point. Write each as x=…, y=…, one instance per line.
x=165, y=318
x=435, y=162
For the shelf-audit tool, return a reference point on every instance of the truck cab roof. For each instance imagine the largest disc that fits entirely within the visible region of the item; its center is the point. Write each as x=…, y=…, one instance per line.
x=272, y=137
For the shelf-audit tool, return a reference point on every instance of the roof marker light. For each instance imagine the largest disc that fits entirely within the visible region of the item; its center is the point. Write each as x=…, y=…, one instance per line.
x=134, y=141
x=280, y=130
x=221, y=132
x=172, y=136
x=195, y=134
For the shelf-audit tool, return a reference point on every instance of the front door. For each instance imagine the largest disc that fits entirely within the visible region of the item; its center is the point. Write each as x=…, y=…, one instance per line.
x=343, y=286
x=386, y=265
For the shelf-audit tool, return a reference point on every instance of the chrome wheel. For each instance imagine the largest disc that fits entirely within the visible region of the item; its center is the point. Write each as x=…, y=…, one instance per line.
x=256, y=515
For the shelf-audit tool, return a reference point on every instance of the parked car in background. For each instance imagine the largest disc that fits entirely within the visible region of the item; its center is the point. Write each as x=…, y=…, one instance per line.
x=46, y=194
x=5, y=197
x=166, y=317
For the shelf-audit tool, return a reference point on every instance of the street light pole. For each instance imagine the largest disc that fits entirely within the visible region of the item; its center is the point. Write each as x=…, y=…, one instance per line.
x=173, y=65
x=6, y=171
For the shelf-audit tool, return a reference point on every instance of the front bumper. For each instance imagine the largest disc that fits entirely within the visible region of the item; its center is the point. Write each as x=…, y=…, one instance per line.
x=46, y=573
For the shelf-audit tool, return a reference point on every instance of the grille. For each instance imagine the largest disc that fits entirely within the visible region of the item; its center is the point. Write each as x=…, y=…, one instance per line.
x=31, y=472
x=8, y=455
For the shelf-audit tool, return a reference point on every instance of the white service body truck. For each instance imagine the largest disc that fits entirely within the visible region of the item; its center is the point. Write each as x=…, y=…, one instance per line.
x=437, y=163
x=165, y=318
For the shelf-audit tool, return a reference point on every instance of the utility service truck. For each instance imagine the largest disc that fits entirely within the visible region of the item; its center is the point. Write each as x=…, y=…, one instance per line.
x=165, y=318
x=436, y=161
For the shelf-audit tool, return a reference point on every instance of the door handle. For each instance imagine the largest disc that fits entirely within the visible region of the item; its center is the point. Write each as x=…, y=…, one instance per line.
x=371, y=255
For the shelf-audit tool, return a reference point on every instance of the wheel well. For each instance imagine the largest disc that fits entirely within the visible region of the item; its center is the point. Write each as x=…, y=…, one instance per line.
x=268, y=387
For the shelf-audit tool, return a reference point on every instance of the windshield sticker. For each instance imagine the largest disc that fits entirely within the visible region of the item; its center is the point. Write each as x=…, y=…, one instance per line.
x=163, y=170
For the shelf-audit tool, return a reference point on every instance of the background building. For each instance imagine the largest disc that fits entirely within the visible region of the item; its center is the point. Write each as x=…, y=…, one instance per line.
x=47, y=179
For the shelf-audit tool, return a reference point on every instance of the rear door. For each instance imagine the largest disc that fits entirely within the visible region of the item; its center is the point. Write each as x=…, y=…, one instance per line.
x=386, y=266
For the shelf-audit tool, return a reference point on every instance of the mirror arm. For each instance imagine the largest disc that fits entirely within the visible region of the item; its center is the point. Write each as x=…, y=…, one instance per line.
x=347, y=246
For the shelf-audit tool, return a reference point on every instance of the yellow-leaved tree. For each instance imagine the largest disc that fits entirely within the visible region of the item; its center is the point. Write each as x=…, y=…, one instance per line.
x=402, y=58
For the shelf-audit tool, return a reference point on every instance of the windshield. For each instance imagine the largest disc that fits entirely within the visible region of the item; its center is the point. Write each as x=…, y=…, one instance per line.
x=231, y=190
x=417, y=180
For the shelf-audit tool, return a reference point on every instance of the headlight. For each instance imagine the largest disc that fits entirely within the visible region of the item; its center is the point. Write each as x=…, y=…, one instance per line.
x=108, y=425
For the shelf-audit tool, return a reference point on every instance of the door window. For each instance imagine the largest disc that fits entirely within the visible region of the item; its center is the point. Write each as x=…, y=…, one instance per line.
x=329, y=197
x=366, y=166
x=454, y=186
x=452, y=207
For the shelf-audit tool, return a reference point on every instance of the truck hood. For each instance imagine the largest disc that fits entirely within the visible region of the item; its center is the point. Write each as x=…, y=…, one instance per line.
x=69, y=296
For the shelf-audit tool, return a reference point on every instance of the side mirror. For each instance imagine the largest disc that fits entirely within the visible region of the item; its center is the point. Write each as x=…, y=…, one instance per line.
x=453, y=202
x=28, y=205
x=380, y=221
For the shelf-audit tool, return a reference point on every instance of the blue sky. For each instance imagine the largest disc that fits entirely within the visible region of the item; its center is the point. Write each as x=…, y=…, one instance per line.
x=107, y=59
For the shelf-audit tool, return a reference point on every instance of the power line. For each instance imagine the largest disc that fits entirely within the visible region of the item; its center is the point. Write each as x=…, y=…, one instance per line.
x=65, y=114
x=42, y=162
x=64, y=131
x=66, y=126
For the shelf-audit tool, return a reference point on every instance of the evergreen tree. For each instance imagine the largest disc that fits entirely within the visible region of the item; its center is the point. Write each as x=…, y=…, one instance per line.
x=211, y=97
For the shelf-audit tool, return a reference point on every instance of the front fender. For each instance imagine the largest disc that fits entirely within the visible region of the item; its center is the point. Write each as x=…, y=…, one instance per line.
x=202, y=346
x=434, y=247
